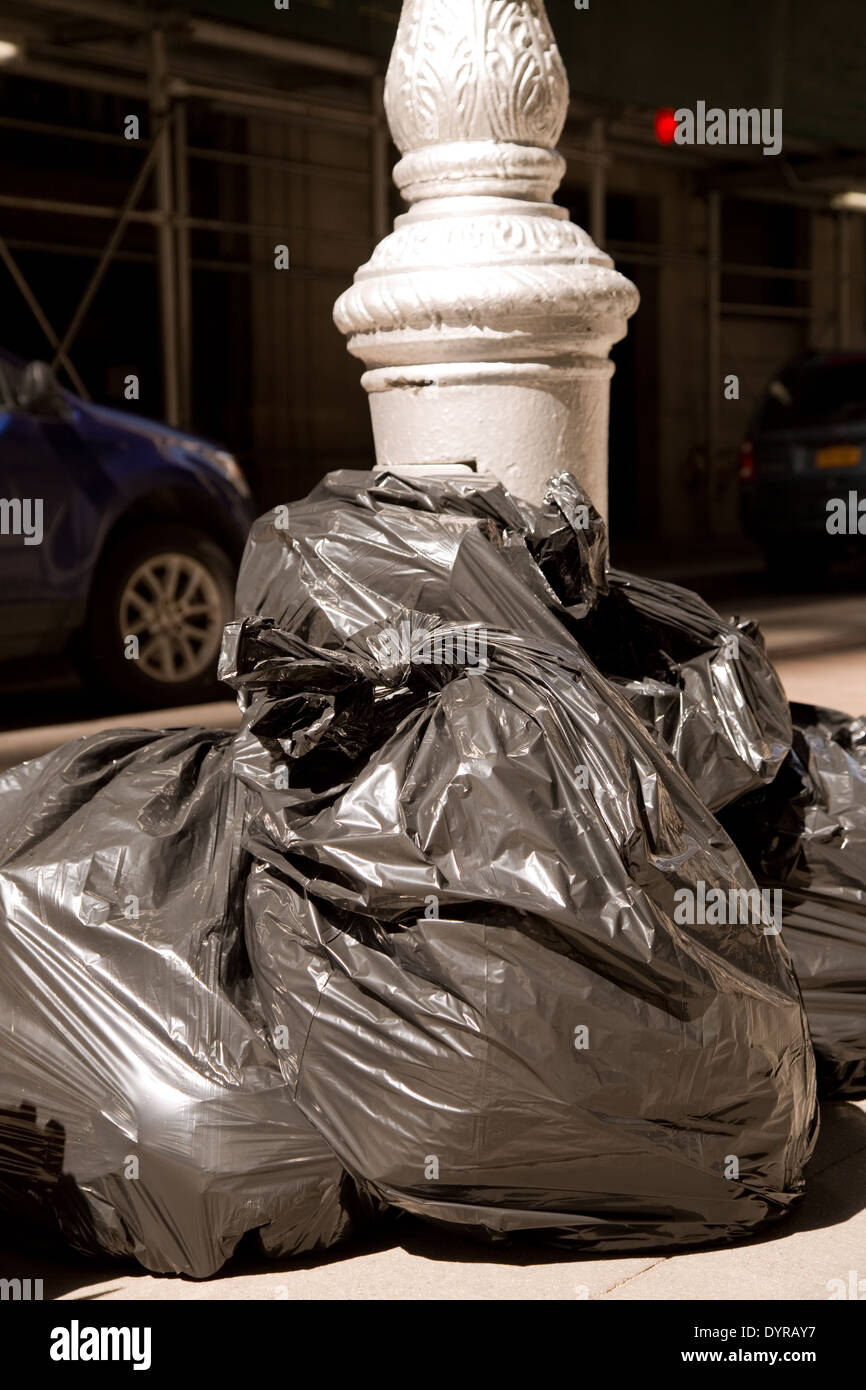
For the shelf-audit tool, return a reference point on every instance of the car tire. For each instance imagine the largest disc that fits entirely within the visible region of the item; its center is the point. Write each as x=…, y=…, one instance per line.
x=161, y=597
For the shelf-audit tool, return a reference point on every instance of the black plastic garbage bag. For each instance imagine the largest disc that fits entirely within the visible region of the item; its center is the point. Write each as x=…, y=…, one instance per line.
x=462, y=922
x=705, y=686
x=411, y=939
x=142, y=1110
x=365, y=546
x=806, y=836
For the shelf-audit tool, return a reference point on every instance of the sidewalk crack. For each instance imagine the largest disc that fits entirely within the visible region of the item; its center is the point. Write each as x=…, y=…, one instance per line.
x=621, y=1283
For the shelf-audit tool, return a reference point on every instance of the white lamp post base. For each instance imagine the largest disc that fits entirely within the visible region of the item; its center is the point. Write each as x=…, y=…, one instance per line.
x=485, y=319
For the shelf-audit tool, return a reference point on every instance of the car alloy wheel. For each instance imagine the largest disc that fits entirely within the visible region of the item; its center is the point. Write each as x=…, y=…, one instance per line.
x=171, y=604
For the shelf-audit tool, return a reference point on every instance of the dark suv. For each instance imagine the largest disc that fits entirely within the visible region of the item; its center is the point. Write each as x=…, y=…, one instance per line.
x=119, y=540
x=805, y=456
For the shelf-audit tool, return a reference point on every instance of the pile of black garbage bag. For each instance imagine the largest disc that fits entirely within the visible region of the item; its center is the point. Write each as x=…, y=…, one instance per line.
x=447, y=927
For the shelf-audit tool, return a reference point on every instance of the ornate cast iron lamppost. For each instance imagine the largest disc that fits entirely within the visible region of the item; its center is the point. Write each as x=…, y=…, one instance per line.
x=486, y=317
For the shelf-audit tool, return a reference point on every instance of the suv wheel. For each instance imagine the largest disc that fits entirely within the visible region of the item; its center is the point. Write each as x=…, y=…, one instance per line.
x=161, y=599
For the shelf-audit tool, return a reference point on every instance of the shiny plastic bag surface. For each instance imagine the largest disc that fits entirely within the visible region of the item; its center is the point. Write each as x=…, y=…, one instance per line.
x=142, y=1109
x=362, y=547
x=806, y=836
x=462, y=916
x=413, y=939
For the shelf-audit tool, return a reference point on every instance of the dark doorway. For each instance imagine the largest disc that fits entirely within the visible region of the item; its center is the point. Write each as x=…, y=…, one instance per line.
x=633, y=225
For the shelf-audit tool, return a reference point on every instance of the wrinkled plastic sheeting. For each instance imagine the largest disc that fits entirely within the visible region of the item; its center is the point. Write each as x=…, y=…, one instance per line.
x=806, y=835
x=408, y=940
x=363, y=548
x=142, y=1108
x=492, y=1015
x=439, y=917
x=705, y=687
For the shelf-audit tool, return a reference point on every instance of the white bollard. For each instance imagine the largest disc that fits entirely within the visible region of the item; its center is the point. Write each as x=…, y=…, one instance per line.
x=486, y=317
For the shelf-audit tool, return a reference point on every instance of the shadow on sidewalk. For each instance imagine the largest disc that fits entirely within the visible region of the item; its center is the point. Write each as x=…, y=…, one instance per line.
x=835, y=1192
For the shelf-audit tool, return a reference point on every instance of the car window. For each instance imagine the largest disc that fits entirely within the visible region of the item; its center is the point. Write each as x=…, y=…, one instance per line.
x=820, y=394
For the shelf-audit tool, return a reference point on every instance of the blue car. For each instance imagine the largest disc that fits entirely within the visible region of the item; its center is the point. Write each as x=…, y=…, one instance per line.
x=119, y=540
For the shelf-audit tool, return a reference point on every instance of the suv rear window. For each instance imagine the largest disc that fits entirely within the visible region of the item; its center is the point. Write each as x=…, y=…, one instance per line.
x=820, y=393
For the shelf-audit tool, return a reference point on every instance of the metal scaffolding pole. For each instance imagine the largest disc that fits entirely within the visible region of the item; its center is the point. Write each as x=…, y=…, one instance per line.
x=253, y=100
x=380, y=174
x=714, y=311
x=106, y=256
x=36, y=309
x=597, y=182
x=183, y=268
x=843, y=287
x=159, y=110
